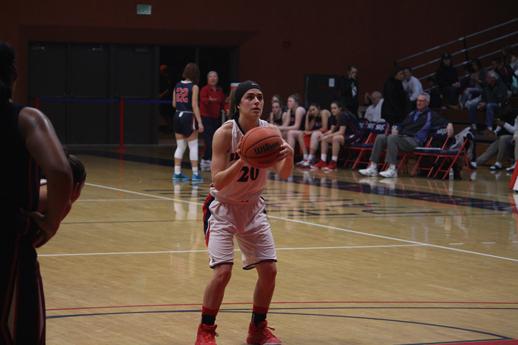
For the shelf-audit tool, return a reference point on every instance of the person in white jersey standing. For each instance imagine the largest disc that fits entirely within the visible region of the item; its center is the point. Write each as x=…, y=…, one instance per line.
x=235, y=208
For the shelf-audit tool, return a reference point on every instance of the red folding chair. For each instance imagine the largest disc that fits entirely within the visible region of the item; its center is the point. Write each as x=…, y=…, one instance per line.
x=363, y=149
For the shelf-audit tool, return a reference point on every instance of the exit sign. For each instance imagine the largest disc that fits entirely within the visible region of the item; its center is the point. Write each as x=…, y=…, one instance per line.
x=144, y=9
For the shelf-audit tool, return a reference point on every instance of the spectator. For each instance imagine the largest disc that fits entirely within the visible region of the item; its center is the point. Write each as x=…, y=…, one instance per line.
x=447, y=79
x=212, y=102
x=373, y=112
x=313, y=123
x=187, y=122
x=395, y=104
x=322, y=120
x=349, y=90
x=30, y=147
x=276, y=113
x=471, y=85
x=413, y=131
x=494, y=94
x=293, y=118
x=345, y=131
x=411, y=85
x=506, y=139
x=504, y=70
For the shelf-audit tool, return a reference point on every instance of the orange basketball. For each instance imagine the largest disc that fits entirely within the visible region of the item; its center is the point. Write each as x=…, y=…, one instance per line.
x=260, y=146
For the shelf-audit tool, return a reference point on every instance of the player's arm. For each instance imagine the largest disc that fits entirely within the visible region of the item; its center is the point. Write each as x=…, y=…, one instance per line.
x=285, y=120
x=284, y=165
x=44, y=146
x=222, y=175
x=299, y=113
x=174, y=98
x=324, y=114
x=195, y=107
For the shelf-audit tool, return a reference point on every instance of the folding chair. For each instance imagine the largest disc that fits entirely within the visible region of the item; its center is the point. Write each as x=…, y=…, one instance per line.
x=436, y=142
x=363, y=149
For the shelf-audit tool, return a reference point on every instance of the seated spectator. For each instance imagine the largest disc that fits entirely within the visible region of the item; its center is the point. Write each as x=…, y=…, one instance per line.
x=293, y=118
x=505, y=140
x=373, y=112
x=276, y=113
x=494, y=93
x=471, y=85
x=316, y=124
x=504, y=70
x=412, y=132
x=345, y=131
x=395, y=103
x=412, y=86
x=448, y=81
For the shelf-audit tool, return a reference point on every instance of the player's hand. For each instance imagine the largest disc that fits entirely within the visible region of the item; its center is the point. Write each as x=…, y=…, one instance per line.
x=46, y=228
x=449, y=130
x=286, y=151
x=200, y=128
x=481, y=105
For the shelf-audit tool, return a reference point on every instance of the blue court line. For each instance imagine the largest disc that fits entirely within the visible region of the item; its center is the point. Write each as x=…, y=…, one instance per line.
x=342, y=185
x=276, y=311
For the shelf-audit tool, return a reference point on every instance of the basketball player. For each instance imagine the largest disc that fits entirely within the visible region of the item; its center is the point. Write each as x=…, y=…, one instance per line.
x=187, y=122
x=234, y=208
x=28, y=143
x=294, y=118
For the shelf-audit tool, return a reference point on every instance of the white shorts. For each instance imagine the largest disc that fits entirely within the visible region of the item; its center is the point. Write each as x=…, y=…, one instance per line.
x=247, y=222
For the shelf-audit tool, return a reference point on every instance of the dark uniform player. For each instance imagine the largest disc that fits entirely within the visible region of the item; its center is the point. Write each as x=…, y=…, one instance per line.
x=187, y=121
x=29, y=143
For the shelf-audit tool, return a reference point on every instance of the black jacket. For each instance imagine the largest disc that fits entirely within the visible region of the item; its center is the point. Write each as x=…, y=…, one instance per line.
x=395, y=103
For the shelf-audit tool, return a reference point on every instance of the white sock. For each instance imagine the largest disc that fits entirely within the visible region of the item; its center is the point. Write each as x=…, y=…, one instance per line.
x=323, y=157
x=334, y=158
x=310, y=157
x=195, y=170
x=177, y=169
x=305, y=156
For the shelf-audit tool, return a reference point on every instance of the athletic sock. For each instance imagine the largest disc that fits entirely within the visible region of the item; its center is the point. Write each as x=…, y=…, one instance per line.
x=323, y=157
x=259, y=314
x=208, y=316
x=177, y=169
x=195, y=170
x=334, y=158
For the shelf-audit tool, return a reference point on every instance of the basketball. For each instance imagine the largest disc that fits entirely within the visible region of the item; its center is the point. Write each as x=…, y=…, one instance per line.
x=260, y=146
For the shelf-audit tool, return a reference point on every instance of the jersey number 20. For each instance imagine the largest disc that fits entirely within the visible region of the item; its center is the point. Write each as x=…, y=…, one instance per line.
x=248, y=173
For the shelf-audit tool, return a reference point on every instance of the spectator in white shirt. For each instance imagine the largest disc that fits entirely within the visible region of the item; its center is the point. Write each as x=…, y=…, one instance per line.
x=373, y=112
x=411, y=85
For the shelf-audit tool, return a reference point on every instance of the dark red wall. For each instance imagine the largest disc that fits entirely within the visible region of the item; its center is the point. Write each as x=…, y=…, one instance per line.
x=280, y=41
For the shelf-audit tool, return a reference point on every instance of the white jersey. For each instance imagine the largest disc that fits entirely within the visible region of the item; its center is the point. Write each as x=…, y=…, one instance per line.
x=250, y=182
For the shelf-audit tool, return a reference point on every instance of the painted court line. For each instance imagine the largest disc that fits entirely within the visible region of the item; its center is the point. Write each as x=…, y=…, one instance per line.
x=236, y=250
x=458, y=250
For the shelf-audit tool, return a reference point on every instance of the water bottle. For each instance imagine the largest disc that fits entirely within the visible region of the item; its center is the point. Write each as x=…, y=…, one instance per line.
x=451, y=175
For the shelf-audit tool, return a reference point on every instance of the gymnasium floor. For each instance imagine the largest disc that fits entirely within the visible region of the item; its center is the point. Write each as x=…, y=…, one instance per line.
x=361, y=261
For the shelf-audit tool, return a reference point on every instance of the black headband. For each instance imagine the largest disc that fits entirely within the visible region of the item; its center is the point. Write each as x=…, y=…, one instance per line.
x=242, y=88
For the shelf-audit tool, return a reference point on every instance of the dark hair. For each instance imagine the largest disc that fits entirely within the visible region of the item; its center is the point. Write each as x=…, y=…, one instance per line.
x=314, y=104
x=338, y=104
x=7, y=72
x=78, y=169
x=296, y=97
x=191, y=72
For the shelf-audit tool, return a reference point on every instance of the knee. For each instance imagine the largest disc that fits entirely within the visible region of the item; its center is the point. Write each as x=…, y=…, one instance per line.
x=337, y=139
x=268, y=272
x=222, y=274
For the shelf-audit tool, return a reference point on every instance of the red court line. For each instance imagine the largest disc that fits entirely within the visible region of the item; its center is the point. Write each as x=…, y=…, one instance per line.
x=490, y=342
x=285, y=302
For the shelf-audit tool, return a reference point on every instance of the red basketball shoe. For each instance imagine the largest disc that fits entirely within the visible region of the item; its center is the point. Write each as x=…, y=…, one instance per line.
x=206, y=335
x=261, y=335
x=319, y=165
x=330, y=167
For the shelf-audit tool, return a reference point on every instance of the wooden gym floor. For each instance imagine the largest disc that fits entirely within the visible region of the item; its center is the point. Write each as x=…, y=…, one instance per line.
x=361, y=260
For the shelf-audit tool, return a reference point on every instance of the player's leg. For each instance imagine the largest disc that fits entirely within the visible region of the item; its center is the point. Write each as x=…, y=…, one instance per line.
x=192, y=142
x=181, y=146
x=302, y=145
x=219, y=239
x=338, y=141
x=258, y=251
